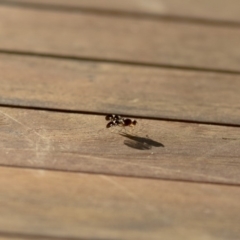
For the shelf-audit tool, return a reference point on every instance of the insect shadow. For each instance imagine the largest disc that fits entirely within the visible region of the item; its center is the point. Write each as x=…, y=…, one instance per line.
x=140, y=143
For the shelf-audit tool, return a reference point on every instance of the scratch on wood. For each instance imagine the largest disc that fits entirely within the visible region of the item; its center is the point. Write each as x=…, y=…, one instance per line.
x=39, y=152
x=15, y=120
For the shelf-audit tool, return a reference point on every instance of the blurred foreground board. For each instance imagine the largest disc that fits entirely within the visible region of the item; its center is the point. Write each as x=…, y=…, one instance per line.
x=83, y=206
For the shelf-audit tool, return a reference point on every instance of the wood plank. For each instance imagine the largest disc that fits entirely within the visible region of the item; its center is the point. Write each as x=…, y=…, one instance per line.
x=155, y=149
x=100, y=207
x=120, y=39
x=115, y=88
x=220, y=10
x=9, y=236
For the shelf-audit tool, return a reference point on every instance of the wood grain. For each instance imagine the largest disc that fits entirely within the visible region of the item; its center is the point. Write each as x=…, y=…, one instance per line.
x=154, y=149
x=115, y=88
x=101, y=207
x=17, y=236
x=120, y=39
x=220, y=10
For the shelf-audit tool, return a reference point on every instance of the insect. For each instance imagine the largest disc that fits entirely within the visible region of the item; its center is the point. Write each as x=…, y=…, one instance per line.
x=112, y=117
x=116, y=120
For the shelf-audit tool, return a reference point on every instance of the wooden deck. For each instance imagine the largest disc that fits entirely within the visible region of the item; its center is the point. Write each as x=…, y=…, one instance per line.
x=174, y=66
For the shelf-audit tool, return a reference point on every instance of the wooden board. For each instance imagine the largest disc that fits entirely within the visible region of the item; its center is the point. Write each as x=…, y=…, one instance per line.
x=220, y=10
x=111, y=38
x=115, y=88
x=86, y=206
x=63, y=175
x=17, y=236
x=154, y=149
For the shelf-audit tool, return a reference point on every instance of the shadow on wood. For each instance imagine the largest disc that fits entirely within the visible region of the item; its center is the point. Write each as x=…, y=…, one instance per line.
x=140, y=143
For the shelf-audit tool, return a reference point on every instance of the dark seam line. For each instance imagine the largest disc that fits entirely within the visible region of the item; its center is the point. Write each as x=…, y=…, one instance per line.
x=122, y=14
x=59, y=110
x=122, y=175
x=117, y=61
x=43, y=237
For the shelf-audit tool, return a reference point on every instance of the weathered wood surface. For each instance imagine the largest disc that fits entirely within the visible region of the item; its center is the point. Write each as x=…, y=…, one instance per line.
x=220, y=10
x=164, y=59
x=115, y=88
x=17, y=236
x=155, y=149
x=122, y=39
x=102, y=207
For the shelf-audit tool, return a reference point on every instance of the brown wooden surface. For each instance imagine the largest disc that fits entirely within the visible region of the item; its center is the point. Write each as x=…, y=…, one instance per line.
x=76, y=142
x=64, y=64
x=115, y=88
x=220, y=10
x=102, y=207
x=18, y=236
x=122, y=39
